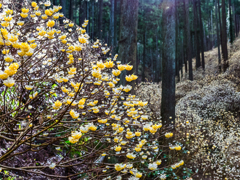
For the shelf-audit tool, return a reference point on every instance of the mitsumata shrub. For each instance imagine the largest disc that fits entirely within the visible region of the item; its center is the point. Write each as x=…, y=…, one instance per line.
x=63, y=113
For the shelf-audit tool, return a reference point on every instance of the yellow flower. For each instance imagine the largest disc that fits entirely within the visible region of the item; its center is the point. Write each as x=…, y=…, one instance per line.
x=76, y=135
x=178, y=148
x=5, y=24
x=74, y=114
x=137, y=149
x=57, y=105
x=138, y=133
x=168, y=135
x=44, y=16
x=109, y=64
x=5, y=51
x=121, y=67
x=82, y=40
x=50, y=23
x=20, y=23
x=96, y=73
x=3, y=75
x=8, y=18
x=71, y=24
x=141, y=103
x=118, y=148
x=103, y=121
x=24, y=47
x=92, y=128
x=129, y=78
x=100, y=64
x=9, y=11
x=25, y=10
x=33, y=46
x=9, y=82
x=48, y=12
x=24, y=15
x=158, y=162
x=78, y=48
x=138, y=175
x=34, y=4
x=28, y=87
x=131, y=156
x=72, y=140
x=116, y=72
x=152, y=166
x=38, y=13
x=134, y=77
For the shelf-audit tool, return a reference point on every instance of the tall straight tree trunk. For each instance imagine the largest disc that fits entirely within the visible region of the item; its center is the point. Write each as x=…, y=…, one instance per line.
x=128, y=34
x=93, y=19
x=201, y=33
x=220, y=21
x=80, y=14
x=100, y=30
x=157, y=69
x=63, y=4
x=168, y=63
x=176, y=44
x=71, y=9
x=144, y=55
x=188, y=38
x=198, y=63
x=112, y=25
x=224, y=37
x=218, y=41
x=115, y=25
x=230, y=21
x=87, y=9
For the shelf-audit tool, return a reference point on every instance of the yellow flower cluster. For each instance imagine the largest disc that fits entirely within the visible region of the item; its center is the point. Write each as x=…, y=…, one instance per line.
x=75, y=137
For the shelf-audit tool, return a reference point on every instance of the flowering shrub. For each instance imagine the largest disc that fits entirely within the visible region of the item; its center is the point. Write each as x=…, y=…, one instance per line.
x=63, y=112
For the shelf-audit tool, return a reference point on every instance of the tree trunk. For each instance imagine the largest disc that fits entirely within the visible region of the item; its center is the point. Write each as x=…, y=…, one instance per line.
x=218, y=41
x=230, y=21
x=144, y=55
x=176, y=42
x=224, y=37
x=168, y=64
x=198, y=63
x=100, y=30
x=112, y=18
x=115, y=25
x=201, y=33
x=87, y=9
x=188, y=38
x=128, y=34
x=93, y=19
x=71, y=9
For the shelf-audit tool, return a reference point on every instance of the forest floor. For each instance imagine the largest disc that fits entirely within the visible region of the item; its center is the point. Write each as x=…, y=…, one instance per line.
x=212, y=97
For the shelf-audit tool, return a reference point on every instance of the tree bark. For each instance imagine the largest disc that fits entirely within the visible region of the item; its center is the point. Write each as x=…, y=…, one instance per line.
x=144, y=55
x=71, y=9
x=93, y=19
x=224, y=37
x=218, y=41
x=100, y=30
x=128, y=34
x=112, y=18
x=188, y=39
x=168, y=63
x=230, y=21
x=176, y=42
x=196, y=37
x=201, y=33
